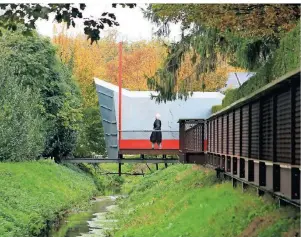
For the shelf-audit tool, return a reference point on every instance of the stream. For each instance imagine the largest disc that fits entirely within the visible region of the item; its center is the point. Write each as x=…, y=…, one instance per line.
x=90, y=223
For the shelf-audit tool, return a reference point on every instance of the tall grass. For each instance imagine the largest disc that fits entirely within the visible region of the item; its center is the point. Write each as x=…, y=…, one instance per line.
x=36, y=191
x=189, y=201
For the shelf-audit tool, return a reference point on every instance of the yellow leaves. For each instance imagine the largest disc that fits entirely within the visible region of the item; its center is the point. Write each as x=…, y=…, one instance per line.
x=213, y=81
x=140, y=60
x=101, y=60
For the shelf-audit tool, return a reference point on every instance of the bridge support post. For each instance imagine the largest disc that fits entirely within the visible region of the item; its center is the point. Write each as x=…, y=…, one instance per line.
x=164, y=157
x=119, y=169
x=120, y=156
x=157, y=166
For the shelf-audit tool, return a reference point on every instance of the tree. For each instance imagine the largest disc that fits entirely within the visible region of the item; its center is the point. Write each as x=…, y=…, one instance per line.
x=28, y=14
x=245, y=20
x=22, y=126
x=33, y=64
x=140, y=60
x=228, y=32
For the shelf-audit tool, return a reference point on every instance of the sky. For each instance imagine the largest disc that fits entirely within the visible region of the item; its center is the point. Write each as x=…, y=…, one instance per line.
x=133, y=26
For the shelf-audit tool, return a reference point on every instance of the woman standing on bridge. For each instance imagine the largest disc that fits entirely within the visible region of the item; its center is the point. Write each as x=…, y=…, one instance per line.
x=156, y=136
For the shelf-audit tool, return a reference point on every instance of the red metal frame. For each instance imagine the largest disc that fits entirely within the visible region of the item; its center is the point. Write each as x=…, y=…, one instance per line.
x=120, y=88
x=146, y=144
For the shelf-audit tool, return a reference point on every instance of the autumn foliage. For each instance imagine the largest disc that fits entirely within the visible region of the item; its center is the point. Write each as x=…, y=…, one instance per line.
x=100, y=60
x=140, y=60
x=212, y=81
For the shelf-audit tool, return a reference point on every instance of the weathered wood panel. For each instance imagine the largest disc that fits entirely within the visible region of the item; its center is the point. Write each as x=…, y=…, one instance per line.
x=215, y=136
x=220, y=134
x=283, y=127
x=230, y=136
x=225, y=134
x=297, y=125
x=237, y=133
x=245, y=130
x=267, y=129
x=255, y=130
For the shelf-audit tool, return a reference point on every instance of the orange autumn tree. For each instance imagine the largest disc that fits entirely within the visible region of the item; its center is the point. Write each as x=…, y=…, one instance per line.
x=212, y=81
x=88, y=60
x=140, y=59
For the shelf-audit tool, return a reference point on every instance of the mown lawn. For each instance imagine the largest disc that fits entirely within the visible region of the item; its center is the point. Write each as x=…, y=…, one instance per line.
x=33, y=192
x=189, y=201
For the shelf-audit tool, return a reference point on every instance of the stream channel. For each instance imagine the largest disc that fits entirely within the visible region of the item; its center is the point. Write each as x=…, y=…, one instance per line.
x=90, y=223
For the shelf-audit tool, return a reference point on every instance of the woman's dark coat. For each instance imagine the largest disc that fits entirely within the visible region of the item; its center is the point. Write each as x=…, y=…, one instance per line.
x=156, y=136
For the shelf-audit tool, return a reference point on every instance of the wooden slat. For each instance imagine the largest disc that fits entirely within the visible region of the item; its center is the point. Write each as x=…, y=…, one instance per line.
x=255, y=130
x=267, y=129
x=283, y=127
x=245, y=130
x=237, y=132
x=297, y=125
x=220, y=133
x=230, y=132
x=215, y=136
x=225, y=134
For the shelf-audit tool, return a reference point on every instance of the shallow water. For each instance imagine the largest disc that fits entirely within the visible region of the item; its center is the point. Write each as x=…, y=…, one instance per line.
x=92, y=222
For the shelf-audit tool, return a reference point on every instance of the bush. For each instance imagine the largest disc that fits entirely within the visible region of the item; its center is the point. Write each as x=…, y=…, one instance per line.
x=285, y=59
x=32, y=63
x=91, y=136
x=216, y=108
x=22, y=128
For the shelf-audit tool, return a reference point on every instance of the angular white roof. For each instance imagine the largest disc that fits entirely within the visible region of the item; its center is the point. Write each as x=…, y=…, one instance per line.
x=143, y=94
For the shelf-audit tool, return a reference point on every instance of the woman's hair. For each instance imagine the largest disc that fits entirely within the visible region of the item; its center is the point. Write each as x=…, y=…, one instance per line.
x=158, y=116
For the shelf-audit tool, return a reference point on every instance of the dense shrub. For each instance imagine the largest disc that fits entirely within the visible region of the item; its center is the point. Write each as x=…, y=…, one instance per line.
x=285, y=59
x=31, y=63
x=22, y=128
x=91, y=136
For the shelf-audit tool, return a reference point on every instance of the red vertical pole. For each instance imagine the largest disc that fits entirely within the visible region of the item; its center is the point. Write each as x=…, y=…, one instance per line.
x=120, y=88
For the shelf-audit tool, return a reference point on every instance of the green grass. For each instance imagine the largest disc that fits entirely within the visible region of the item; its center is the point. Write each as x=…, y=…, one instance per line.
x=33, y=192
x=186, y=200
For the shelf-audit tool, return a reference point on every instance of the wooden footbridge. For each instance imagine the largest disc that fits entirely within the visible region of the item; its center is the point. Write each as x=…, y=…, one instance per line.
x=255, y=141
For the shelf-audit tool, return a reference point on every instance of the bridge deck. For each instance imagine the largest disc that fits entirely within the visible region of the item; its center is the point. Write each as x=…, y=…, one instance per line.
x=119, y=161
x=149, y=151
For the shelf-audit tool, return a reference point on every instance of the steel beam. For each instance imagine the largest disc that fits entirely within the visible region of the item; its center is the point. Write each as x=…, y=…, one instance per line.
x=131, y=161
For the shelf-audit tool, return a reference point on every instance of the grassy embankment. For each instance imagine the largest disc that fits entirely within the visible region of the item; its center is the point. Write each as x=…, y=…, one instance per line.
x=37, y=192
x=189, y=201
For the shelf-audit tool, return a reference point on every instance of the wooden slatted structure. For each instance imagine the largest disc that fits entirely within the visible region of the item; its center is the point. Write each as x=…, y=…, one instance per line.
x=266, y=129
x=192, y=140
x=297, y=126
x=220, y=134
x=254, y=131
x=283, y=127
x=245, y=131
x=257, y=138
x=237, y=144
x=230, y=133
x=225, y=134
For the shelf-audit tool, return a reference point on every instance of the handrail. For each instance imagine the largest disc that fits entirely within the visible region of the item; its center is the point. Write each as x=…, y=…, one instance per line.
x=147, y=131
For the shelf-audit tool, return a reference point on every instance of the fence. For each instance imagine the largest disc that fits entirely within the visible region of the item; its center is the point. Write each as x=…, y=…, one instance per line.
x=256, y=139
x=192, y=140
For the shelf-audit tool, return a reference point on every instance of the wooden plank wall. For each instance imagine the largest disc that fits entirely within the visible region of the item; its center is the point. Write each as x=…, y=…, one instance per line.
x=267, y=128
x=297, y=125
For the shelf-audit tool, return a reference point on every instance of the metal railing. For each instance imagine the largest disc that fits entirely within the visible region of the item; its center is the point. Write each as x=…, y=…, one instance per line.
x=145, y=134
